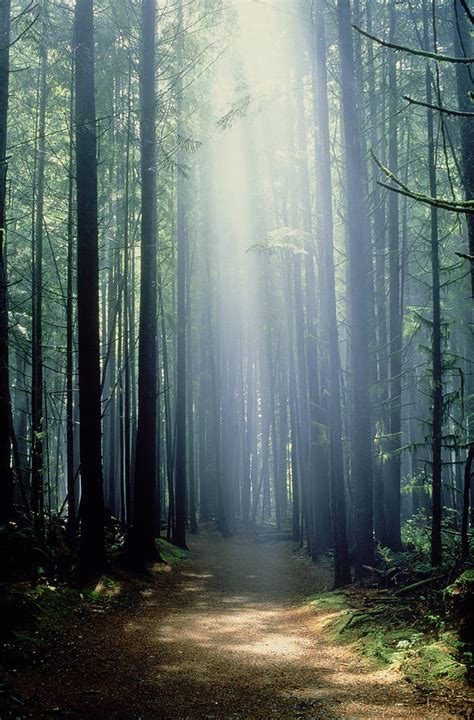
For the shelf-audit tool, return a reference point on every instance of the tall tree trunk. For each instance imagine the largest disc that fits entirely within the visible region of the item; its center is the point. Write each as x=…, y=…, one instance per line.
x=70, y=470
x=318, y=465
x=92, y=544
x=437, y=371
x=37, y=429
x=167, y=411
x=143, y=531
x=6, y=476
x=377, y=135
x=358, y=278
x=463, y=45
x=191, y=464
x=179, y=535
x=392, y=486
x=127, y=328
x=342, y=573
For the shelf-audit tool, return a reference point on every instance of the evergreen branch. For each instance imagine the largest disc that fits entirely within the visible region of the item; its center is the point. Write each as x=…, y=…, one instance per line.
x=414, y=51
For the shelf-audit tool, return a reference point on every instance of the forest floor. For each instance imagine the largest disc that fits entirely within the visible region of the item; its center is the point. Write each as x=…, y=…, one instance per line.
x=225, y=633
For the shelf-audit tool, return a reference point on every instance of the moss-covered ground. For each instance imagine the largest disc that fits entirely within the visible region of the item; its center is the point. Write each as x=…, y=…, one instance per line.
x=399, y=633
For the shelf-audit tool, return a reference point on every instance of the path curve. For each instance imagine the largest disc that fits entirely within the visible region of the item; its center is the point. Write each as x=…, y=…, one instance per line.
x=224, y=636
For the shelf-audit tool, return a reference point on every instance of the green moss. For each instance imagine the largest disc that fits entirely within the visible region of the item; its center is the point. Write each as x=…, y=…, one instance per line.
x=170, y=553
x=435, y=661
x=328, y=601
x=384, y=634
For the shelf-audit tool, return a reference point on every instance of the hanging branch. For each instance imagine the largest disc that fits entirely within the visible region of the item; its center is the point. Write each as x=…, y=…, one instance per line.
x=459, y=206
x=439, y=108
x=414, y=51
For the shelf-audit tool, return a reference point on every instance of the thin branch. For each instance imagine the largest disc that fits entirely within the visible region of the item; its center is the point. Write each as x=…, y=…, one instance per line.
x=433, y=202
x=13, y=42
x=460, y=206
x=439, y=108
x=413, y=51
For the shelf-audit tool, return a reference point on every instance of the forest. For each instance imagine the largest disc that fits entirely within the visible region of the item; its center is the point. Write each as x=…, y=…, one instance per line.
x=236, y=359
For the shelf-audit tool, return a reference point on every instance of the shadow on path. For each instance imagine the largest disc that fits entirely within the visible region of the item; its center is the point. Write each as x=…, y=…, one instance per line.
x=225, y=635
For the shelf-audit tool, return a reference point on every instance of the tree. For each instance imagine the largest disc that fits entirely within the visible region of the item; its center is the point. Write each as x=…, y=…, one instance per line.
x=6, y=477
x=342, y=573
x=179, y=535
x=92, y=545
x=392, y=485
x=358, y=280
x=437, y=367
x=142, y=534
x=37, y=388
x=462, y=35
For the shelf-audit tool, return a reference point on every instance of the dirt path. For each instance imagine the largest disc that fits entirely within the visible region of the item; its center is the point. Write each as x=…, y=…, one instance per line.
x=224, y=635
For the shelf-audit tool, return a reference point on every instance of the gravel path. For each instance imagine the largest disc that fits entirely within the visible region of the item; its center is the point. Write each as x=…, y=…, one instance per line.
x=223, y=635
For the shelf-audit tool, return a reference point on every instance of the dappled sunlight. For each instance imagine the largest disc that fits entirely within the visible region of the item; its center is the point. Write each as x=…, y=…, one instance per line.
x=228, y=634
x=263, y=640
x=201, y=576
x=107, y=588
x=237, y=600
x=159, y=568
x=275, y=648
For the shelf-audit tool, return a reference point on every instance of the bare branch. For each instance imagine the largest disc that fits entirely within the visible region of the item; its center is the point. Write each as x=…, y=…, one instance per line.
x=433, y=202
x=439, y=108
x=414, y=51
x=460, y=206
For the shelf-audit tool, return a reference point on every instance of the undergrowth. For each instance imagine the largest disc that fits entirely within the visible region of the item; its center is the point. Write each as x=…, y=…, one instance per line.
x=399, y=634
x=37, y=607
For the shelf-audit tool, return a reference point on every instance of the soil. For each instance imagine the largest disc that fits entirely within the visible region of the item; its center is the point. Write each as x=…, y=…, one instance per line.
x=224, y=634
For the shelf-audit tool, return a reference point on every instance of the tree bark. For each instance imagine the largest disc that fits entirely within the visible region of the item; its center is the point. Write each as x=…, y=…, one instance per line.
x=437, y=371
x=358, y=291
x=6, y=475
x=464, y=77
x=37, y=426
x=145, y=477
x=392, y=486
x=342, y=573
x=92, y=544
x=179, y=535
